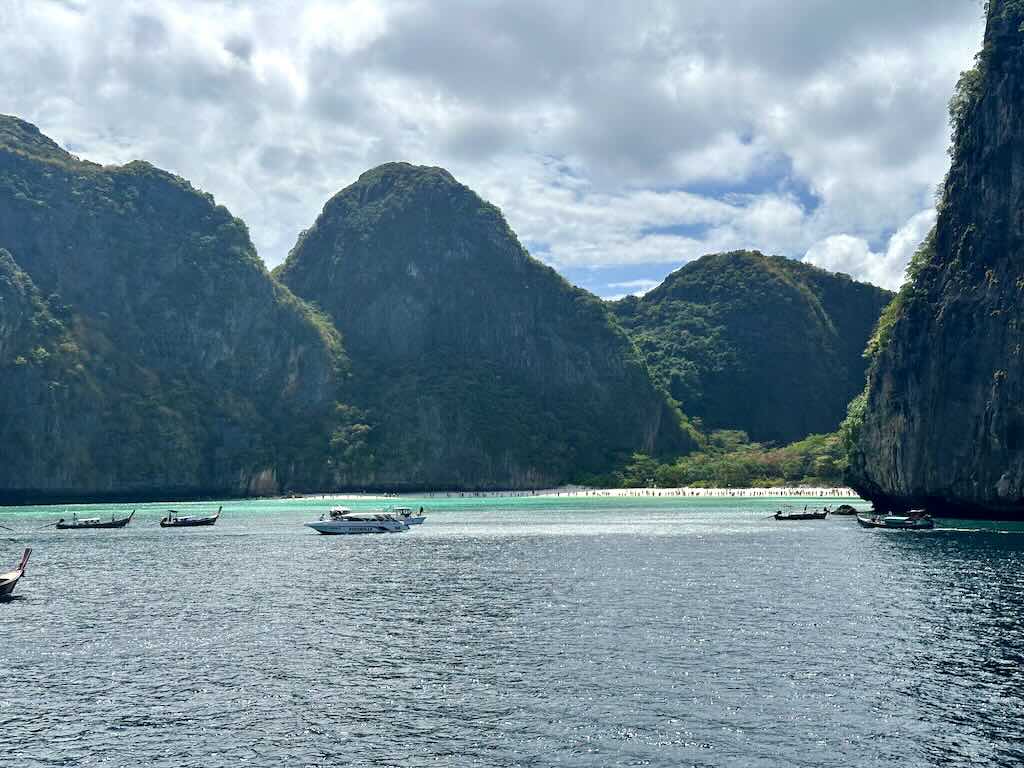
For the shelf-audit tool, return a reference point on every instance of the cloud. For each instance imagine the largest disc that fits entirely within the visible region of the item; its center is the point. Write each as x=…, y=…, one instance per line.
x=614, y=136
x=634, y=287
x=852, y=255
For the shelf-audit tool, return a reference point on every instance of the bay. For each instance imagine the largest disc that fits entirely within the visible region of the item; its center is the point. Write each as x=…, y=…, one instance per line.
x=513, y=632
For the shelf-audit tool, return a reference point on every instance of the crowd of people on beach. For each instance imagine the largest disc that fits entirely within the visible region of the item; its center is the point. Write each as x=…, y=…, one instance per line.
x=575, y=492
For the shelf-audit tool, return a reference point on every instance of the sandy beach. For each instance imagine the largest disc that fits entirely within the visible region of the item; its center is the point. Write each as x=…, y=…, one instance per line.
x=579, y=492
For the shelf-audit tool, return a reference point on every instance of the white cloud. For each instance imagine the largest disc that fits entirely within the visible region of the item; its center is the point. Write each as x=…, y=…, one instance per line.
x=610, y=134
x=635, y=287
x=853, y=255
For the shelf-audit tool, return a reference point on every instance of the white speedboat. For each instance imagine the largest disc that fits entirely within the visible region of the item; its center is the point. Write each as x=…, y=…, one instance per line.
x=341, y=520
x=407, y=515
x=917, y=520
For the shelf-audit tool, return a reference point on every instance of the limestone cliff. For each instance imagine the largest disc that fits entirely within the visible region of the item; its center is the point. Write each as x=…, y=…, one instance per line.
x=479, y=366
x=145, y=348
x=942, y=421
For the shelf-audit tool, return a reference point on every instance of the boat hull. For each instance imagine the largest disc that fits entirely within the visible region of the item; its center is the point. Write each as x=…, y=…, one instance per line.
x=351, y=528
x=7, y=586
x=187, y=523
x=171, y=521
x=896, y=523
x=84, y=525
x=8, y=581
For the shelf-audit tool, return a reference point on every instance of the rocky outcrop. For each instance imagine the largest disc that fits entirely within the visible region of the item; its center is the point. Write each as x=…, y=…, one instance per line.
x=165, y=360
x=942, y=422
x=479, y=366
x=763, y=344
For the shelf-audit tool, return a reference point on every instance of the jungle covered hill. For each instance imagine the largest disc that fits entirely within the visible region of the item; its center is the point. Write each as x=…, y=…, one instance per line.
x=477, y=364
x=762, y=344
x=408, y=342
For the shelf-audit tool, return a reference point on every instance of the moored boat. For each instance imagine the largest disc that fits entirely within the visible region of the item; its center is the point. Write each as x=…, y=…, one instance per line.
x=76, y=522
x=177, y=520
x=343, y=521
x=916, y=520
x=805, y=515
x=407, y=515
x=9, y=580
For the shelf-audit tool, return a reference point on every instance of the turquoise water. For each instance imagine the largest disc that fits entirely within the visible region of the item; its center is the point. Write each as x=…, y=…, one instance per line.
x=513, y=632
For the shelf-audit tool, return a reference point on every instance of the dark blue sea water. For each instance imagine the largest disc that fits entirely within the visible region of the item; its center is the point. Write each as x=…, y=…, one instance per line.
x=514, y=632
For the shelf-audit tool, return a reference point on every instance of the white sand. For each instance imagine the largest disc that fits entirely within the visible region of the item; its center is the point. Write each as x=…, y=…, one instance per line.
x=578, y=492
x=712, y=493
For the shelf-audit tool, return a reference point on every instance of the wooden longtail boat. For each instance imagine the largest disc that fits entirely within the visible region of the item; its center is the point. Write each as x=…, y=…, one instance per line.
x=10, y=579
x=77, y=522
x=805, y=515
x=174, y=520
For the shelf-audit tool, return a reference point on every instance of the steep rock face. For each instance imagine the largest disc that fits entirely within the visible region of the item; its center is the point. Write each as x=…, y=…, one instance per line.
x=943, y=420
x=763, y=344
x=204, y=374
x=480, y=366
x=43, y=382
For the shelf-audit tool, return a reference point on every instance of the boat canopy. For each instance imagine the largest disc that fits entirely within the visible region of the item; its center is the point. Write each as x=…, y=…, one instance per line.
x=339, y=512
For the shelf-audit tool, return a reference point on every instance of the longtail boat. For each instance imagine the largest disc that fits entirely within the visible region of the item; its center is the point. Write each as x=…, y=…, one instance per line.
x=805, y=515
x=10, y=579
x=77, y=522
x=176, y=520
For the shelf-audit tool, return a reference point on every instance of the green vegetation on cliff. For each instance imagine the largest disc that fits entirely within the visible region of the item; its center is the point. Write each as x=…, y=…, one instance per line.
x=146, y=351
x=183, y=366
x=478, y=365
x=766, y=345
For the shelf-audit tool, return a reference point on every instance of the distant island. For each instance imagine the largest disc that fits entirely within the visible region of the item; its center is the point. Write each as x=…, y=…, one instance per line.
x=409, y=342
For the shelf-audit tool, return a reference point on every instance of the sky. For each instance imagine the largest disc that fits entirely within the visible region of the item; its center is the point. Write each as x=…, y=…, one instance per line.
x=621, y=138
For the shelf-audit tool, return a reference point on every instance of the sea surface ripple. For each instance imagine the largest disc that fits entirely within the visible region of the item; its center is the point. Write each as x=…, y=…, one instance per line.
x=513, y=632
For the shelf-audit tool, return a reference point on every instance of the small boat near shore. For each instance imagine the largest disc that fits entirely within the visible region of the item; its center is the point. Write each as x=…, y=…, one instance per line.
x=916, y=520
x=805, y=515
x=9, y=580
x=407, y=515
x=176, y=520
x=343, y=521
x=77, y=523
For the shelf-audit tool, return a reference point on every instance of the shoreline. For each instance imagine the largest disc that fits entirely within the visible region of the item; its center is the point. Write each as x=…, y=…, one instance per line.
x=571, y=492
x=568, y=492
